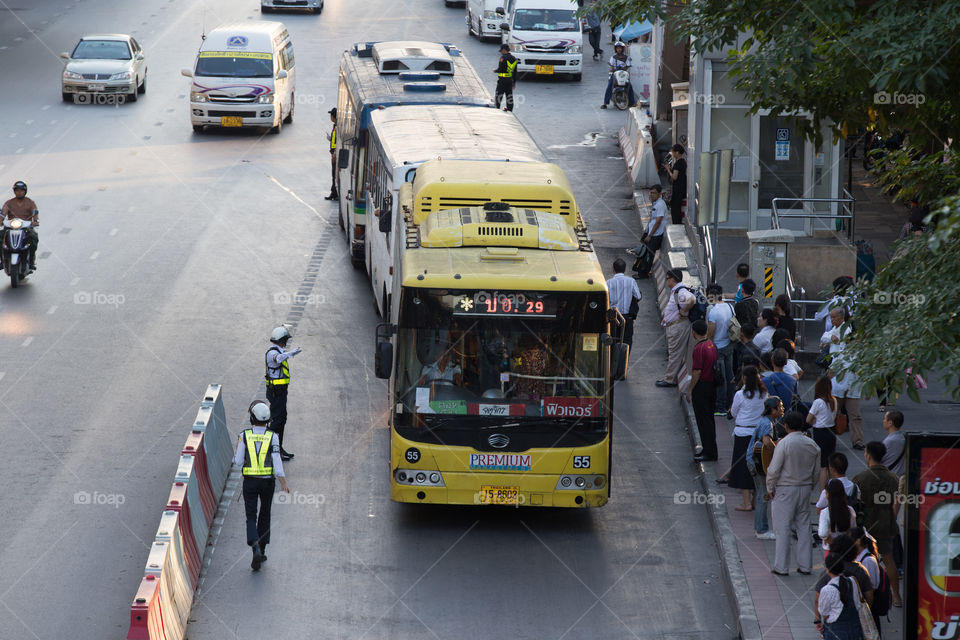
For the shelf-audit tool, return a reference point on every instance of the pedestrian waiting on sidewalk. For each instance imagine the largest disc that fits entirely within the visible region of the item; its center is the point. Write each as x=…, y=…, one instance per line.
x=702, y=394
x=743, y=272
x=791, y=476
x=845, y=548
x=747, y=409
x=677, y=327
x=718, y=324
x=878, y=488
x=837, y=616
x=839, y=517
x=763, y=435
x=823, y=417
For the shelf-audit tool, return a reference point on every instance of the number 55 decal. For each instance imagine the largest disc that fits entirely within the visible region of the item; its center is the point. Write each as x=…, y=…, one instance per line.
x=581, y=462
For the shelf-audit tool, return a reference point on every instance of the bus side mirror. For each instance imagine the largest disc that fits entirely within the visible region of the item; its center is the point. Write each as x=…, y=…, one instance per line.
x=383, y=358
x=386, y=214
x=343, y=159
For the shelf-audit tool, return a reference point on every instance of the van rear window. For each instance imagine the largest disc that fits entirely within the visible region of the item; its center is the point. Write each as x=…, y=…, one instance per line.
x=234, y=64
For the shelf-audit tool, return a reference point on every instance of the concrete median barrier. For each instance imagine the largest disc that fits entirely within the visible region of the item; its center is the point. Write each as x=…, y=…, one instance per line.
x=169, y=532
x=217, y=443
x=194, y=447
x=193, y=544
x=176, y=594
x=146, y=615
x=636, y=142
x=187, y=474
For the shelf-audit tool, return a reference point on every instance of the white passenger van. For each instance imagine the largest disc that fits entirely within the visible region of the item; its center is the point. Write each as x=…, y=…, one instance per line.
x=545, y=36
x=484, y=18
x=243, y=77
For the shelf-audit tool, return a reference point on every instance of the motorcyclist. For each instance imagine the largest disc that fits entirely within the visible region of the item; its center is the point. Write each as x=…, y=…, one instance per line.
x=22, y=207
x=619, y=60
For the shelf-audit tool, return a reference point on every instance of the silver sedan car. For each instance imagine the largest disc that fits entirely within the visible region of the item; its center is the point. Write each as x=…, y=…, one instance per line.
x=103, y=67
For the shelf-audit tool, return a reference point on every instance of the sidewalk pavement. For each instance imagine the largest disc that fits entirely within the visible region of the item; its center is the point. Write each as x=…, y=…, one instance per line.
x=769, y=606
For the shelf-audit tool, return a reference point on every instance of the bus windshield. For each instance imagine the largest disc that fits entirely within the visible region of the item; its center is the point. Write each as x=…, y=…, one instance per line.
x=545, y=20
x=526, y=356
x=234, y=64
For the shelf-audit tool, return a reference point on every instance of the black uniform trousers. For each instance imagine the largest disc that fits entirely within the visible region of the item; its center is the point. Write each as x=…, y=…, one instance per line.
x=277, y=397
x=703, y=399
x=258, y=488
x=333, y=172
x=504, y=88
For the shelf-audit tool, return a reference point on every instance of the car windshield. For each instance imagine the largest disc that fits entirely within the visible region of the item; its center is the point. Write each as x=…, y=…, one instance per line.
x=101, y=50
x=521, y=355
x=234, y=64
x=545, y=20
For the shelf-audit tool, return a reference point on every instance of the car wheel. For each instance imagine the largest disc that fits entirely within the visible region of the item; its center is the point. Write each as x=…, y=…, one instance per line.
x=318, y=9
x=132, y=97
x=266, y=9
x=143, y=86
x=198, y=128
x=67, y=97
x=289, y=118
x=279, y=126
x=577, y=77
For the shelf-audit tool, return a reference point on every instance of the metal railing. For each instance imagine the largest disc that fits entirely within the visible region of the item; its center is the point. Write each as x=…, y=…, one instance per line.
x=843, y=214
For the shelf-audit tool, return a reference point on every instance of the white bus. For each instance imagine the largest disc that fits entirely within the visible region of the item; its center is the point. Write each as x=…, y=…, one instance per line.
x=381, y=75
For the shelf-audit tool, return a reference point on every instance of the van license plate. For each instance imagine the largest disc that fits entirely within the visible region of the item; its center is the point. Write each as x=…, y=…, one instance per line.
x=545, y=68
x=96, y=87
x=499, y=495
x=231, y=121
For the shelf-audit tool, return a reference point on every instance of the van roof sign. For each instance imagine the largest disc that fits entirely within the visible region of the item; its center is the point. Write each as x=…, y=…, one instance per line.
x=237, y=41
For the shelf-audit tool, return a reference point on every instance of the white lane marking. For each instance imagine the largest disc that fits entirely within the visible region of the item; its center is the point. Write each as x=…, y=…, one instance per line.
x=26, y=343
x=74, y=281
x=52, y=310
x=2, y=166
x=53, y=122
x=44, y=107
x=94, y=255
x=29, y=122
x=2, y=373
x=13, y=135
x=113, y=232
x=295, y=196
x=20, y=150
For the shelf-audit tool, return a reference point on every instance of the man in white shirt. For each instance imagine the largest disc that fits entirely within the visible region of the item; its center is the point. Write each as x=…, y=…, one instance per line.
x=653, y=236
x=441, y=370
x=718, y=323
x=677, y=327
x=846, y=389
x=623, y=292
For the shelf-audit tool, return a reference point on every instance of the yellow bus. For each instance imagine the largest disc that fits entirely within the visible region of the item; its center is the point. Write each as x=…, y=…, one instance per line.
x=498, y=350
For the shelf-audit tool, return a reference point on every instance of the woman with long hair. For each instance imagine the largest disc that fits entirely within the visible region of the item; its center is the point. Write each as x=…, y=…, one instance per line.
x=838, y=517
x=822, y=416
x=837, y=616
x=782, y=307
x=747, y=409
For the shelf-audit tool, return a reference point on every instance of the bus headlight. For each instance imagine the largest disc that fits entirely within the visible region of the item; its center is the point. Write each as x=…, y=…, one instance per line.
x=267, y=99
x=575, y=49
x=434, y=478
x=198, y=96
x=418, y=478
x=580, y=482
x=566, y=481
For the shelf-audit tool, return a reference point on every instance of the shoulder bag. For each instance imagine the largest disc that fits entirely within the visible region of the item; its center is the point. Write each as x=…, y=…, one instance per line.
x=839, y=420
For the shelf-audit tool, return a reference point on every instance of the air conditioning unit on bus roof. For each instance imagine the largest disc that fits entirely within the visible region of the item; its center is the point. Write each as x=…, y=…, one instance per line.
x=411, y=55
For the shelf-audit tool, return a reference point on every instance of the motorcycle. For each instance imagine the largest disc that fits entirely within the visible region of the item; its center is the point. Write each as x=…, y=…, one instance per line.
x=16, y=250
x=621, y=84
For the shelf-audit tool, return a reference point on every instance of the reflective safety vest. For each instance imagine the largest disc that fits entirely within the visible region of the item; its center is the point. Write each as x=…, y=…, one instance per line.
x=333, y=138
x=511, y=67
x=277, y=375
x=254, y=461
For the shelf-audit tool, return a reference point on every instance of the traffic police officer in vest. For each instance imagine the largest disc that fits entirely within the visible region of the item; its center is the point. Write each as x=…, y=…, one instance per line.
x=278, y=379
x=332, y=137
x=506, y=78
x=258, y=477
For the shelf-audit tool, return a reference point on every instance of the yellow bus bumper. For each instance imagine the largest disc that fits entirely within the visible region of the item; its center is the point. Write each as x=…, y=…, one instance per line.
x=465, y=489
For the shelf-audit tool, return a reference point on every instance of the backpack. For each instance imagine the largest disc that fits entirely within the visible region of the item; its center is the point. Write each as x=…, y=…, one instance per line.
x=883, y=594
x=699, y=309
x=733, y=327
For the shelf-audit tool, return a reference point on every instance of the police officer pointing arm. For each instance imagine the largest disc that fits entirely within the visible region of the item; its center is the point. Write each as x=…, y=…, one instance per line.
x=253, y=446
x=278, y=381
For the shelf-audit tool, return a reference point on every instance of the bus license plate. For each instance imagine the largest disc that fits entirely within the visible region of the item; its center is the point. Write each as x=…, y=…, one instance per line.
x=231, y=121
x=499, y=495
x=545, y=68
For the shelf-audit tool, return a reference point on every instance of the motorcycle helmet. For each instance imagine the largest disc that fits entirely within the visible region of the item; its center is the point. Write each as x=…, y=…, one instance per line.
x=619, y=43
x=278, y=334
x=259, y=412
x=20, y=184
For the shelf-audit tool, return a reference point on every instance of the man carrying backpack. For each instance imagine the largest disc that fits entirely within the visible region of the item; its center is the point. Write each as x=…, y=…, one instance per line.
x=878, y=488
x=724, y=330
x=677, y=327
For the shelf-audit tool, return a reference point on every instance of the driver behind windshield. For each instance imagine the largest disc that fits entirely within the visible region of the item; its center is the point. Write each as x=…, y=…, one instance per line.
x=441, y=370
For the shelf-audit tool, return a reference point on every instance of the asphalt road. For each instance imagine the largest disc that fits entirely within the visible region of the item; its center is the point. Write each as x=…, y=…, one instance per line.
x=166, y=258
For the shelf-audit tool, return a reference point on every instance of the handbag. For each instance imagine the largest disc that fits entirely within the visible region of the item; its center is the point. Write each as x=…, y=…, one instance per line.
x=840, y=422
x=867, y=625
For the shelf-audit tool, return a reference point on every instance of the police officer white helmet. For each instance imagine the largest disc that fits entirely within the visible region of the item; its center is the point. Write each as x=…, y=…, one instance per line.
x=278, y=334
x=259, y=412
